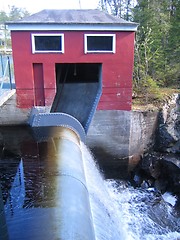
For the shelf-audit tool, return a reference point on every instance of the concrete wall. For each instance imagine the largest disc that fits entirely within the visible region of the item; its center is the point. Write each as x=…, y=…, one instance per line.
x=143, y=128
x=11, y=115
x=118, y=138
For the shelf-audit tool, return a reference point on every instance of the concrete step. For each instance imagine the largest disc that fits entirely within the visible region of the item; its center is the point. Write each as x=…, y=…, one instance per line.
x=5, y=94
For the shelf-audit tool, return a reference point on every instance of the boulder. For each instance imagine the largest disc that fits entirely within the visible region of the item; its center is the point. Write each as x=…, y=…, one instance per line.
x=166, y=175
x=168, y=131
x=154, y=171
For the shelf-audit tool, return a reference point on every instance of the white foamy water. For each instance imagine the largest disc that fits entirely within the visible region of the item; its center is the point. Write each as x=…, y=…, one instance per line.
x=121, y=212
x=169, y=198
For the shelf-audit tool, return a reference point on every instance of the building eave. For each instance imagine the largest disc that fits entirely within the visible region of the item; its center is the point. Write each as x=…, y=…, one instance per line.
x=71, y=27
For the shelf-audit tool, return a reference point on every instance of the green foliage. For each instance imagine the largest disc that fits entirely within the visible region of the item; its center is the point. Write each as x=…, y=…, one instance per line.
x=14, y=14
x=17, y=13
x=151, y=90
x=157, y=48
x=119, y=8
x=148, y=88
x=3, y=17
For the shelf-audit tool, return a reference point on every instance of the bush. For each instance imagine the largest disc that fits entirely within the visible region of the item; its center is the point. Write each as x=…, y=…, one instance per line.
x=149, y=89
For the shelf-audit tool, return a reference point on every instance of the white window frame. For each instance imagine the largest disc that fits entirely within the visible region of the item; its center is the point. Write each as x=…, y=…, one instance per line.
x=33, y=35
x=100, y=51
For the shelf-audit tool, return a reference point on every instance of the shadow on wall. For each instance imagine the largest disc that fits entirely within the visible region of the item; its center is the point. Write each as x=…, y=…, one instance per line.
x=110, y=165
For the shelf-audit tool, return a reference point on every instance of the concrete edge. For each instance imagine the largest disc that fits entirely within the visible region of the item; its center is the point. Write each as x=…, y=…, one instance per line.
x=9, y=94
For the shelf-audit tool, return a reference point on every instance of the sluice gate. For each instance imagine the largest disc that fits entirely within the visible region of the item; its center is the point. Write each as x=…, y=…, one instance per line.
x=79, y=87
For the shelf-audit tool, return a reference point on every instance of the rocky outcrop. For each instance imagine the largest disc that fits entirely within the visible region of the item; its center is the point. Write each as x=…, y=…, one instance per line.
x=160, y=168
x=168, y=132
x=157, y=172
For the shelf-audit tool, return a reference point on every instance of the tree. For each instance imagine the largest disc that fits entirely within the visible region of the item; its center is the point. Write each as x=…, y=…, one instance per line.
x=17, y=13
x=14, y=14
x=155, y=16
x=157, y=48
x=119, y=8
x=3, y=17
x=173, y=41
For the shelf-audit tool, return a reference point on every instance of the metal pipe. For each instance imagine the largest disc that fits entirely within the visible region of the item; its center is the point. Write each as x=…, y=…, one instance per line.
x=70, y=191
x=76, y=218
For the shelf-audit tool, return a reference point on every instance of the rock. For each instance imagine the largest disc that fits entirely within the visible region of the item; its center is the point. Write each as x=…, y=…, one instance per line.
x=168, y=132
x=166, y=175
x=140, y=175
x=154, y=171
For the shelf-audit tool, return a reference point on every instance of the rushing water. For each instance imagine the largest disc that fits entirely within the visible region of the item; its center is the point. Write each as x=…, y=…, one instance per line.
x=119, y=211
x=122, y=212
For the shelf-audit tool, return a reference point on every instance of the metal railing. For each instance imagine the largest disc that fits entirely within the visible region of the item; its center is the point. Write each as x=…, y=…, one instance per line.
x=6, y=72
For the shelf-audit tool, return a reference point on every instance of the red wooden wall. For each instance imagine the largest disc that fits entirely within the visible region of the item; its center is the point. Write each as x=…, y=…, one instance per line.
x=117, y=69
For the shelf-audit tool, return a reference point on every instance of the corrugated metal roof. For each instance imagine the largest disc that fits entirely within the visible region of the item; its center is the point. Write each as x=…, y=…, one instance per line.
x=73, y=17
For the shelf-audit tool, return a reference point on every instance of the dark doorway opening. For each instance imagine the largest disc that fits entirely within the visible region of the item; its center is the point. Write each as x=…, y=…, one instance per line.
x=78, y=90
x=77, y=72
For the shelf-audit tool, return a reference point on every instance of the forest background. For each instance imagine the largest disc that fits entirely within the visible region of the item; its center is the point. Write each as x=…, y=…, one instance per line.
x=157, y=45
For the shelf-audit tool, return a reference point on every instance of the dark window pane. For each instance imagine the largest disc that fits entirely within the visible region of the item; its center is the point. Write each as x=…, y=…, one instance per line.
x=99, y=43
x=48, y=43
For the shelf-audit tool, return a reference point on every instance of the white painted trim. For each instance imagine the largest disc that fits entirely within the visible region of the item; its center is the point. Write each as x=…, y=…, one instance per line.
x=72, y=27
x=99, y=51
x=33, y=35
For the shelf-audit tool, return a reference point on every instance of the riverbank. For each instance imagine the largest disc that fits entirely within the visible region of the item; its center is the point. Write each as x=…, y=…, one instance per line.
x=141, y=103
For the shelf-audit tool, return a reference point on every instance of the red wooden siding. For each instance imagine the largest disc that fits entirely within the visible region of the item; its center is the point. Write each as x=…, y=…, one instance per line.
x=116, y=68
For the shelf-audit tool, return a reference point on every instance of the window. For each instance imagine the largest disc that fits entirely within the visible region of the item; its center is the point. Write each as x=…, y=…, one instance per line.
x=99, y=43
x=47, y=43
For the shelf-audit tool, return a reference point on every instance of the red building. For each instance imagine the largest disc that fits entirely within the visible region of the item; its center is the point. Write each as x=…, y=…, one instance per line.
x=54, y=48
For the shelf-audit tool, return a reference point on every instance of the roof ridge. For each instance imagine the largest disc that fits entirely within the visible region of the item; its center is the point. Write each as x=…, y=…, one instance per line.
x=92, y=18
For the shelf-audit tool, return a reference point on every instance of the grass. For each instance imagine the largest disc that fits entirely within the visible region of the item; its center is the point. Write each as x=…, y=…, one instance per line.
x=152, y=102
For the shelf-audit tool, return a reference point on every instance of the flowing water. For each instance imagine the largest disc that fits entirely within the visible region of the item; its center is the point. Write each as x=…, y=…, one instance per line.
x=119, y=211
x=122, y=212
